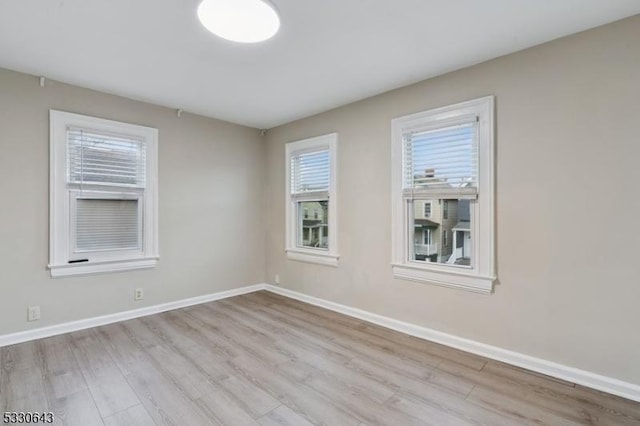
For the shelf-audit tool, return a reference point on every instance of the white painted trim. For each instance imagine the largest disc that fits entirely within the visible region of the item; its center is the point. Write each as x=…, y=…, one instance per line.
x=574, y=375
x=68, y=327
x=101, y=267
x=311, y=257
x=445, y=277
x=570, y=374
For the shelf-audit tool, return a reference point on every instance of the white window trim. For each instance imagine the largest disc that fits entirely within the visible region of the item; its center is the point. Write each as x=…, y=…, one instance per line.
x=328, y=257
x=59, y=198
x=481, y=276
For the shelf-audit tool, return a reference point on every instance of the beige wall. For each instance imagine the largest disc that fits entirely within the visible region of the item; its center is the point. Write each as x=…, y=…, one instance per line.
x=567, y=134
x=210, y=173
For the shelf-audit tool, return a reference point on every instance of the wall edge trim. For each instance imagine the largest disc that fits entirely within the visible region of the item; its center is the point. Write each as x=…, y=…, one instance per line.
x=83, y=324
x=571, y=374
x=574, y=375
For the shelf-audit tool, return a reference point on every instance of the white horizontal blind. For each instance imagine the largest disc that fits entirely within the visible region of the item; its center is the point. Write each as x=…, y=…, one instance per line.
x=442, y=162
x=102, y=159
x=107, y=224
x=310, y=172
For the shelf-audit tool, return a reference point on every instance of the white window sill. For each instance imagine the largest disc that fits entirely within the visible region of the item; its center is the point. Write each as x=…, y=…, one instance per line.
x=101, y=267
x=308, y=256
x=453, y=278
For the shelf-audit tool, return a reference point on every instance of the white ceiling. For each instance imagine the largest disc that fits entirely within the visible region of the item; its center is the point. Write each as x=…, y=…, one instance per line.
x=328, y=52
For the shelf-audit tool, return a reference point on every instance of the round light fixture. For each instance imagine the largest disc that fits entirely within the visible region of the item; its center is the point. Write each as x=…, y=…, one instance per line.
x=244, y=21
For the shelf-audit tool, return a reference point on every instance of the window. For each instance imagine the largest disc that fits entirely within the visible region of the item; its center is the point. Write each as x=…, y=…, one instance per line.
x=427, y=209
x=103, y=195
x=311, y=203
x=427, y=236
x=444, y=159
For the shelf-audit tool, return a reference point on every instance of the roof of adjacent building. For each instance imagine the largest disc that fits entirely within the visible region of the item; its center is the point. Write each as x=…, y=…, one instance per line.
x=462, y=226
x=426, y=223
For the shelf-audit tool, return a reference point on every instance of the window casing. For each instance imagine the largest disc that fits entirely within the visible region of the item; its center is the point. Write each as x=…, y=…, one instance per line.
x=311, y=206
x=103, y=195
x=445, y=157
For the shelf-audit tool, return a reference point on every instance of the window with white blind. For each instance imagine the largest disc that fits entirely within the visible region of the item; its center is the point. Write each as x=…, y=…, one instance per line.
x=444, y=158
x=311, y=203
x=103, y=195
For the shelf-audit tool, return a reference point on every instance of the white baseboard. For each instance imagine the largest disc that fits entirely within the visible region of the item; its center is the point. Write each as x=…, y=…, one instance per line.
x=54, y=330
x=570, y=374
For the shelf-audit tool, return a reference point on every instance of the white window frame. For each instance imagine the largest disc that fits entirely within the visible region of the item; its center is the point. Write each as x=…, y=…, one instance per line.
x=62, y=197
x=480, y=275
x=328, y=256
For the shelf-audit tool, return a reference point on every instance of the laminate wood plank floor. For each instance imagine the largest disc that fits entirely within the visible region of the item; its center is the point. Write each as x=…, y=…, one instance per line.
x=263, y=359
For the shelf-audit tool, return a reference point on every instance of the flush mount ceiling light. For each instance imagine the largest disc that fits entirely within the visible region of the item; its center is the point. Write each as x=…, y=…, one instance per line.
x=244, y=21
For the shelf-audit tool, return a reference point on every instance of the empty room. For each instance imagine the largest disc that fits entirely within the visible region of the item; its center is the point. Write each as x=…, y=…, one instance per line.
x=281, y=212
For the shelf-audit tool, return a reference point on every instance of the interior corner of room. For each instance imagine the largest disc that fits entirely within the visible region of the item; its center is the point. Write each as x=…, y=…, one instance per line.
x=331, y=234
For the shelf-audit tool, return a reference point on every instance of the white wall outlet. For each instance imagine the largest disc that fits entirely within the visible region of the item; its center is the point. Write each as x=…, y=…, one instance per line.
x=138, y=294
x=33, y=313
x=276, y=280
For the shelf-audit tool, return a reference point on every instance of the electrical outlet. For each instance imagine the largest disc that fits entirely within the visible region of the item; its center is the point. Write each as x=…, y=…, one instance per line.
x=138, y=294
x=33, y=313
x=277, y=279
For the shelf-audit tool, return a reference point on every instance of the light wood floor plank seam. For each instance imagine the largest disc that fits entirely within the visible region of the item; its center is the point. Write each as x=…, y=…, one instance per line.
x=95, y=403
x=469, y=393
x=264, y=359
x=269, y=412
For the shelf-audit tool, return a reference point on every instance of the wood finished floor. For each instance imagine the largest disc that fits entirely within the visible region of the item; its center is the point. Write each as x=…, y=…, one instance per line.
x=265, y=359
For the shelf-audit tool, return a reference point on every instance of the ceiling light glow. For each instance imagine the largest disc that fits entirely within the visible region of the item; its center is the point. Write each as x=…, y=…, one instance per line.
x=243, y=21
